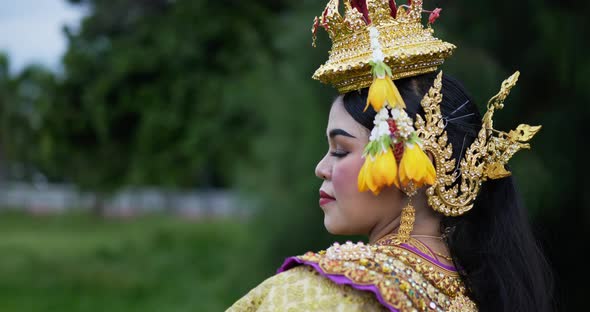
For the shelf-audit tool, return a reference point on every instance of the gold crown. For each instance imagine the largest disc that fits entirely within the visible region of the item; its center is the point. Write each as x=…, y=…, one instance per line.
x=409, y=48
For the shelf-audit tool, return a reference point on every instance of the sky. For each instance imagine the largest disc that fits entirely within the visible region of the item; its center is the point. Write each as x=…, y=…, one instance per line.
x=31, y=31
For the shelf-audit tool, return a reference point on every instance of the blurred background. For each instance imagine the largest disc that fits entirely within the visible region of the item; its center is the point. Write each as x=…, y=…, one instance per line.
x=159, y=155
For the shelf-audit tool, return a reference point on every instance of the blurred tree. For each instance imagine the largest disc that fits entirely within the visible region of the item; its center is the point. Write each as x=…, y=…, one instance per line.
x=295, y=110
x=148, y=94
x=23, y=99
x=145, y=97
x=4, y=81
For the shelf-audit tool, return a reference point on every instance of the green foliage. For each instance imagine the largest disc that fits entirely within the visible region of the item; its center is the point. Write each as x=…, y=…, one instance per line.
x=148, y=264
x=24, y=99
x=294, y=109
x=148, y=94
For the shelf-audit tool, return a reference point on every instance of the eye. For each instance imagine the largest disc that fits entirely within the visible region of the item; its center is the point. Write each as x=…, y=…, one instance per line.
x=339, y=154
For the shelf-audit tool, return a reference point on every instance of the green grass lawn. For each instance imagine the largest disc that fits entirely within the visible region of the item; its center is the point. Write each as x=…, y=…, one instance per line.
x=157, y=263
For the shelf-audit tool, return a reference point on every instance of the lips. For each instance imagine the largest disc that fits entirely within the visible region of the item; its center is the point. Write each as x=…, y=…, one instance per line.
x=325, y=198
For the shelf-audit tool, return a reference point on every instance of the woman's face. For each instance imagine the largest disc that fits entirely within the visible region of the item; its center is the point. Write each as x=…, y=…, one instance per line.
x=350, y=212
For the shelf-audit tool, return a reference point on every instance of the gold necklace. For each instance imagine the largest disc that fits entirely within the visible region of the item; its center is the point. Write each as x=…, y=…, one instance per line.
x=427, y=236
x=386, y=238
x=448, y=258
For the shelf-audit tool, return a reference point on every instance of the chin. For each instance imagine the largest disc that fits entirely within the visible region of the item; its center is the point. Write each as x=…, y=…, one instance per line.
x=336, y=228
x=330, y=226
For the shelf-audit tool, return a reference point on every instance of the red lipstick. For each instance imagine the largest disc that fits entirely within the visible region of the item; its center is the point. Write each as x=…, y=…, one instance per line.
x=325, y=198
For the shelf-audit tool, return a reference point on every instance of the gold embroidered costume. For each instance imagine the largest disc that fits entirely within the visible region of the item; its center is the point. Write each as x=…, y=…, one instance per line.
x=356, y=277
x=304, y=289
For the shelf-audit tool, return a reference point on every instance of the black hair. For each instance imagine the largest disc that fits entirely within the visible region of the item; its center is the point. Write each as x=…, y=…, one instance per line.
x=493, y=244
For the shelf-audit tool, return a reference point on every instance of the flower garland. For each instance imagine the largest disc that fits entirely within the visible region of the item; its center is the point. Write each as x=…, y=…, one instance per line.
x=393, y=138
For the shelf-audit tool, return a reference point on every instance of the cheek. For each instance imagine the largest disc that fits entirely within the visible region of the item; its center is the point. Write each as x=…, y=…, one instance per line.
x=351, y=217
x=345, y=175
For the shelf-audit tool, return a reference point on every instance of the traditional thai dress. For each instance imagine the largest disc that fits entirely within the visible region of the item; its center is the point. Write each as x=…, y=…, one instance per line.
x=357, y=277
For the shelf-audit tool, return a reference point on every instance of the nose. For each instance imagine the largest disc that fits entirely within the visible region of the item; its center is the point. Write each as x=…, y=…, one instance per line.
x=323, y=169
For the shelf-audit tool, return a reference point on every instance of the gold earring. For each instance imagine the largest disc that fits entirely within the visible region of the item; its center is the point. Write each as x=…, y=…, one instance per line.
x=408, y=216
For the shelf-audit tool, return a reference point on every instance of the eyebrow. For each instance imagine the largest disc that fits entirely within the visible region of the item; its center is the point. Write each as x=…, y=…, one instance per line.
x=335, y=132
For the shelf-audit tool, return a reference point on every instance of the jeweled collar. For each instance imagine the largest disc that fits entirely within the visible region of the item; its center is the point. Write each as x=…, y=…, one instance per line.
x=402, y=277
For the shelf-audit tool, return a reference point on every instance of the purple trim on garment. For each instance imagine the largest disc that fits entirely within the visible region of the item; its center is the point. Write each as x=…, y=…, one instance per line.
x=338, y=279
x=343, y=280
x=435, y=261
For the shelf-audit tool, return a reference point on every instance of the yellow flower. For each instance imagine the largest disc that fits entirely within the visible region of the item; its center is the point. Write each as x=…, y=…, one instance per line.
x=378, y=172
x=383, y=89
x=398, y=101
x=385, y=170
x=416, y=166
x=363, y=183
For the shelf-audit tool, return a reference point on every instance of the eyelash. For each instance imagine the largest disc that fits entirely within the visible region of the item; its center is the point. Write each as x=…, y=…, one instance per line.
x=339, y=155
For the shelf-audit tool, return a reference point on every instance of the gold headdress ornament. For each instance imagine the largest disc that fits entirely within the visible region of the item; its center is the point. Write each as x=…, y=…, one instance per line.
x=409, y=48
x=376, y=42
x=483, y=160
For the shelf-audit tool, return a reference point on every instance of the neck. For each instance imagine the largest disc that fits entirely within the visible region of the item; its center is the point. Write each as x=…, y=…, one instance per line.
x=380, y=230
x=427, y=223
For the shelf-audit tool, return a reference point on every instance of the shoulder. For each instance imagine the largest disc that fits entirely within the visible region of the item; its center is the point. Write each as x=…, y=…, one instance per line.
x=304, y=289
x=400, y=277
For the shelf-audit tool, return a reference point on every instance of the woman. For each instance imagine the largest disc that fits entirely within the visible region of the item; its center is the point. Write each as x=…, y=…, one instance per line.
x=414, y=166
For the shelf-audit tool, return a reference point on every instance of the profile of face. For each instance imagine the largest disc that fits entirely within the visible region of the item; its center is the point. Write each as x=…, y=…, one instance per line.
x=346, y=210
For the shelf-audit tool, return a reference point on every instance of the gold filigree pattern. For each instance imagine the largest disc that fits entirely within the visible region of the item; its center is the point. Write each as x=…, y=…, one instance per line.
x=409, y=47
x=407, y=223
x=454, y=191
x=346, y=278
x=302, y=289
x=405, y=279
x=461, y=303
x=393, y=240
